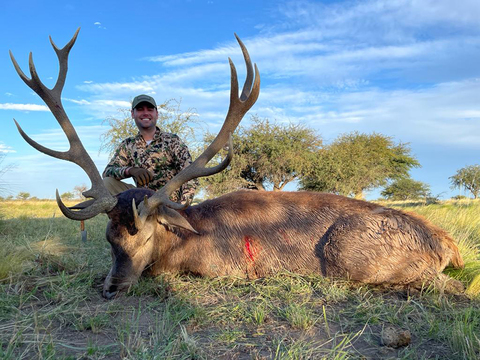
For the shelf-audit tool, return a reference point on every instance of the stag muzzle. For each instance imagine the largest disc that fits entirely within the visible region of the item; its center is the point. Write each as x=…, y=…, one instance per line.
x=114, y=284
x=110, y=290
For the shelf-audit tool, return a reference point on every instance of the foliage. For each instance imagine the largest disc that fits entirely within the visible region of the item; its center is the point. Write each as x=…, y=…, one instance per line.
x=357, y=162
x=22, y=195
x=267, y=154
x=170, y=119
x=467, y=178
x=406, y=189
x=67, y=195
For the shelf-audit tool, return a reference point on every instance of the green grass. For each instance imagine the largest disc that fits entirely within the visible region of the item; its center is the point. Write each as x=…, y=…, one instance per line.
x=51, y=305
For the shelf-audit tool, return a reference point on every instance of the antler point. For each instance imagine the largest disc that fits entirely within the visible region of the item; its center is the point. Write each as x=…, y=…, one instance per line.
x=52, y=98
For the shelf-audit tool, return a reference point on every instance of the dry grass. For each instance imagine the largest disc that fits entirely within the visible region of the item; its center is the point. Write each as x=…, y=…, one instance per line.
x=13, y=209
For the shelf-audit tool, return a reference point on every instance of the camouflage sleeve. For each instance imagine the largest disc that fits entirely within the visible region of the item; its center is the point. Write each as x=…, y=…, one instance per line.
x=184, y=159
x=187, y=191
x=119, y=163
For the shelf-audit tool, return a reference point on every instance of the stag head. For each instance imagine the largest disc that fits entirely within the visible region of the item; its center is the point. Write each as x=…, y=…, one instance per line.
x=140, y=220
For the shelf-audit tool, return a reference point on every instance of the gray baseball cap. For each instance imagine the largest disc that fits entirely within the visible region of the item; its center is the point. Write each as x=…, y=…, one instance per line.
x=143, y=98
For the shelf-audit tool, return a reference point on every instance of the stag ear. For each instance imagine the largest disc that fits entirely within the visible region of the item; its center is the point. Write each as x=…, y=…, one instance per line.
x=170, y=217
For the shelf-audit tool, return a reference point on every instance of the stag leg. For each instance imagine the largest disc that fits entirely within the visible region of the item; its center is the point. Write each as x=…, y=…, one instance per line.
x=381, y=248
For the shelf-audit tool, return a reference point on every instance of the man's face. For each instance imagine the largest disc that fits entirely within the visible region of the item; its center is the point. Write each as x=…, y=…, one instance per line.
x=145, y=116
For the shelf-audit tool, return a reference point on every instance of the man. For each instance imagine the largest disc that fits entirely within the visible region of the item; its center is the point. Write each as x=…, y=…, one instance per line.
x=151, y=158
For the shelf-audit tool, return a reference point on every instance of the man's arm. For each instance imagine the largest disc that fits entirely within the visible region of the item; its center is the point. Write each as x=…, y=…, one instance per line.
x=119, y=164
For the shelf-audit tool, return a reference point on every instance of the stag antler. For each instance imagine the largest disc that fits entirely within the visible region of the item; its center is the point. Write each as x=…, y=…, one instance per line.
x=77, y=154
x=238, y=108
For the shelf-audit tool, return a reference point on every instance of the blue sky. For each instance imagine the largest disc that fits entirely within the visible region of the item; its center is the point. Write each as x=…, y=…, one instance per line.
x=408, y=69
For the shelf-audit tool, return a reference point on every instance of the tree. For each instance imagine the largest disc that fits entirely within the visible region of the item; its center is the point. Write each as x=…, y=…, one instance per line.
x=23, y=195
x=67, y=195
x=467, y=178
x=406, y=189
x=355, y=162
x=170, y=119
x=267, y=154
x=79, y=190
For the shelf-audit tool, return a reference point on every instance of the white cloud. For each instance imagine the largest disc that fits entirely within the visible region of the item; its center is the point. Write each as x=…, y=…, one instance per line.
x=99, y=25
x=444, y=114
x=382, y=19
x=127, y=88
x=5, y=149
x=117, y=104
x=78, y=102
x=311, y=58
x=23, y=107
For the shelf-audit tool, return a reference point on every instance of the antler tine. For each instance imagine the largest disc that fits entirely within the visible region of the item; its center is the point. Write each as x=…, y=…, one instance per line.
x=63, y=54
x=247, y=87
x=37, y=146
x=97, y=207
x=35, y=83
x=223, y=165
x=237, y=109
x=77, y=153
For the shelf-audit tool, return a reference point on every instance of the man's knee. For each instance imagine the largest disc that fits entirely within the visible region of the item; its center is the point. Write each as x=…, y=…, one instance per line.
x=115, y=186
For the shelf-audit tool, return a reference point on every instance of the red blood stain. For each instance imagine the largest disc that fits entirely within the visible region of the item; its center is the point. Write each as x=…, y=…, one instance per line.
x=249, y=247
x=286, y=238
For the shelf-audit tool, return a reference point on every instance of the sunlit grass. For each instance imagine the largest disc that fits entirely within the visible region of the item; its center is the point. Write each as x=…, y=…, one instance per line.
x=31, y=208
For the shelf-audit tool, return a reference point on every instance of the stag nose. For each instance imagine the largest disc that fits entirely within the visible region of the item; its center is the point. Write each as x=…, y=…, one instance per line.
x=110, y=293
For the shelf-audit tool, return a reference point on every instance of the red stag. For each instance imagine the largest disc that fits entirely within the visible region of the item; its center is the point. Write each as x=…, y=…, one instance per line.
x=246, y=233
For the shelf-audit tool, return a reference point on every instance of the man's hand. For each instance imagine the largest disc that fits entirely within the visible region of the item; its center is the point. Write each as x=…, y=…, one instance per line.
x=142, y=176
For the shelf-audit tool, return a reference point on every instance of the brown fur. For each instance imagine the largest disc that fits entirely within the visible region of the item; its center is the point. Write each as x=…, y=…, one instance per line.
x=255, y=233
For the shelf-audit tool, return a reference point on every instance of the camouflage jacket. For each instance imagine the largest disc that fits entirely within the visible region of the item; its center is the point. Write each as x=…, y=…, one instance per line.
x=165, y=156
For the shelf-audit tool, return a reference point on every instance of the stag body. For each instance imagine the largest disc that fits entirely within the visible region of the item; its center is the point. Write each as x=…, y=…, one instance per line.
x=255, y=234
x=244, y=233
